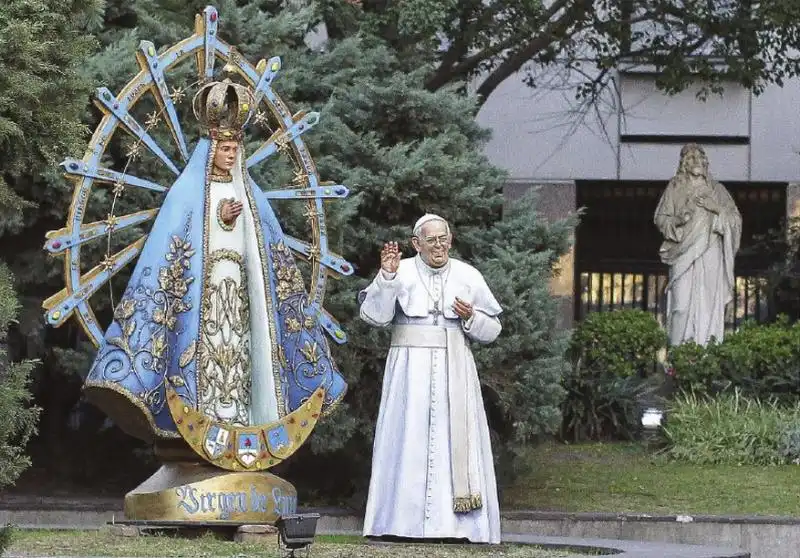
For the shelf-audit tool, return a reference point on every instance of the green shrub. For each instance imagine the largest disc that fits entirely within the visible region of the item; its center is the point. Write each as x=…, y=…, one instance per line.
x=601, y=407
x=611, y=354
x=731, y=429
x=762, y=361
x=621, y=343
x=696, y=368
x=18, y=417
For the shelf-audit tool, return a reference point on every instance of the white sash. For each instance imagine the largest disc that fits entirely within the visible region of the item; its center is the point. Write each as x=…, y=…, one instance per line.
x=466, y=493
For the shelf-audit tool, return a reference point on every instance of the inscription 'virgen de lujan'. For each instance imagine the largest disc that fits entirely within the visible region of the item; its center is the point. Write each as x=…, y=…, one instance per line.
x=194, y=501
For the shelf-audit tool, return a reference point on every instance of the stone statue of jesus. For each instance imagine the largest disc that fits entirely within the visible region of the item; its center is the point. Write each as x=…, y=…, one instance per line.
x=702, y=229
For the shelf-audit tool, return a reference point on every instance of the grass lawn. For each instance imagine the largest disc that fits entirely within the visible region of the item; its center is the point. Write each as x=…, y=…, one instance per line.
x=102, y=543
x=625, y=478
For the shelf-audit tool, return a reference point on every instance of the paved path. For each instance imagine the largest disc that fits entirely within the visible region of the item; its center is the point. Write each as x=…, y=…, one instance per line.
x=631, y=549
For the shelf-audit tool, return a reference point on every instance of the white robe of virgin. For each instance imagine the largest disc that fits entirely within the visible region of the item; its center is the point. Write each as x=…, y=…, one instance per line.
x=700, y=253
x=411, y=491
x=237, y=380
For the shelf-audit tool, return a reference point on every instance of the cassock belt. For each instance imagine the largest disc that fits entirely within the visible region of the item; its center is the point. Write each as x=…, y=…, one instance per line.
x=421, y=336
x=466, y=491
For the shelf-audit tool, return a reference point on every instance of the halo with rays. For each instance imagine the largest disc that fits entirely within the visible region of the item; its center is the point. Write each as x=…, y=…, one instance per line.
x=130, y=130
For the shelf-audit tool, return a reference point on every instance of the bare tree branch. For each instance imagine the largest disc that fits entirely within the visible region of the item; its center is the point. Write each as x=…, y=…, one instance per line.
x=459, y=48
x=496, y=39
x=450, y=69
x=514, y=62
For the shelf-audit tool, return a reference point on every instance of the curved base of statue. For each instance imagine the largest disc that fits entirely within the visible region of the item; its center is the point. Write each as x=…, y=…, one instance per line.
x=197, y=493
x=254, y=448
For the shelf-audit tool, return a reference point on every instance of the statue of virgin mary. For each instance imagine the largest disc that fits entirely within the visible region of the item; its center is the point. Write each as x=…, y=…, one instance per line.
x=215, y=312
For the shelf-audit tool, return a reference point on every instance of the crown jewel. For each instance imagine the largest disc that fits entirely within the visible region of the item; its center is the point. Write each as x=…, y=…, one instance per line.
x=223, y=108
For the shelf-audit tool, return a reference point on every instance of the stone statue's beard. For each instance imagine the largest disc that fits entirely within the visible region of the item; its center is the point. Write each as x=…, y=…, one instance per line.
x=688, y=171
x=686, y=168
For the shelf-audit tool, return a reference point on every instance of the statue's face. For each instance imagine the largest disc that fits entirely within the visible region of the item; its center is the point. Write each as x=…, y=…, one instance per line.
x=433, y=243
x=225, y=155
x=695, y=163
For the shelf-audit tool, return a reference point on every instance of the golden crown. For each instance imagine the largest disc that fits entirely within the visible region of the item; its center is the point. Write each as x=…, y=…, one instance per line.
x=223, y=109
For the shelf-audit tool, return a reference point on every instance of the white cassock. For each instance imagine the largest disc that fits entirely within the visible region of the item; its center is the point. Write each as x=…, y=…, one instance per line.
x=432, y=453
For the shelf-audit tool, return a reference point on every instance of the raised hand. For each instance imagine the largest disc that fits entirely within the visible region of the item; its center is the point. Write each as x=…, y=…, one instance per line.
x=390, y=257
x=229, y=211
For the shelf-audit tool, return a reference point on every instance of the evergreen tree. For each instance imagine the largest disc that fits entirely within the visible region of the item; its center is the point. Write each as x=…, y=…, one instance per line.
x=403, y=150
x=41, y=99
x=41, y=93
x=18, y=417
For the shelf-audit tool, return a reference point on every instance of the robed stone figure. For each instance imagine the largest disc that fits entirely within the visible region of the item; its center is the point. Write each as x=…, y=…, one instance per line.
x=702, y=229
x=432, y=470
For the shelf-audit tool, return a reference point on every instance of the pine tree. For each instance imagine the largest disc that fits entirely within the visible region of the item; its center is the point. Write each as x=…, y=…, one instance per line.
x=406, y=151
x=17, y=417
x=42, y=98
x=40, y=50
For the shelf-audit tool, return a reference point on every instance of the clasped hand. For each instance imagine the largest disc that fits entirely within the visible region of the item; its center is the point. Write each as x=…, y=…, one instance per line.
x=463, y=309
x=707, y=203
x=230, y=211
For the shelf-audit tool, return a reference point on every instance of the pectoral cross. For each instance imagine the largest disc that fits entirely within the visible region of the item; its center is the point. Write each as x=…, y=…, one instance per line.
x=436, y=312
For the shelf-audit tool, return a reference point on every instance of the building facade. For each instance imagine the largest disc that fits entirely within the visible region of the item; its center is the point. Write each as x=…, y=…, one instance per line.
x=613, y=159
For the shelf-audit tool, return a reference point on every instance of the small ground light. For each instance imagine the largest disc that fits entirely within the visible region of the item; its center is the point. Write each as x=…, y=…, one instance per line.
x=296, y=532
x=652, y=419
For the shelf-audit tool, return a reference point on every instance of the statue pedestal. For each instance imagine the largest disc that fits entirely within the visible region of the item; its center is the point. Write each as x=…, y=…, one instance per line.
x=197, y=493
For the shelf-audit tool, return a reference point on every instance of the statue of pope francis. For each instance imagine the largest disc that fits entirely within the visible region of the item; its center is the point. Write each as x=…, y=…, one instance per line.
x=432, y=470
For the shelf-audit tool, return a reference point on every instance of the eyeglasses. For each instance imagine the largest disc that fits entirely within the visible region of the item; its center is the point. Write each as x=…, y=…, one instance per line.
x=434, y=240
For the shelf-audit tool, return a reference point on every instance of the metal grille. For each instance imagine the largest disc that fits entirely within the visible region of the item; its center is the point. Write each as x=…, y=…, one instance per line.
x=615, y=291
x=617, y=265
x=600, y=292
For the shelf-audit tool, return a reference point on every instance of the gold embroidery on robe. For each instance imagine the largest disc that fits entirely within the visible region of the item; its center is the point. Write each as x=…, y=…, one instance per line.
x=224, y=373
